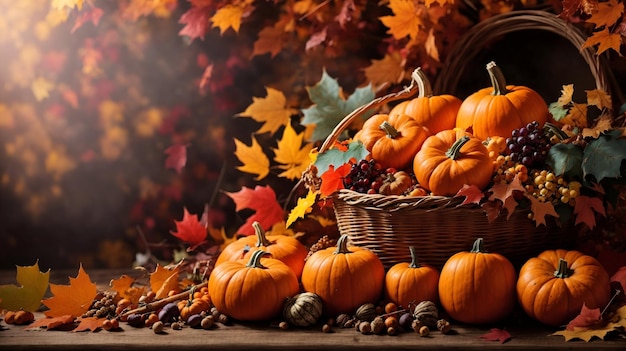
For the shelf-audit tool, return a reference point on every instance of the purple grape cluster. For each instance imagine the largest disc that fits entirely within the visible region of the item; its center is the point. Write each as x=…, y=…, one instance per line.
x=366, y=176
x=528, y=145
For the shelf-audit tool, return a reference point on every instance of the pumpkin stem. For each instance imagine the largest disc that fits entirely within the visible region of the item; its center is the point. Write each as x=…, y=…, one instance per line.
x=423, y=84
x=455, y=150
x=563, y=271
x=261, y=239
x=478, y=246
x=391, y=132
x=342, y=245
x=414, y=262
x=255, y=259
x=497, y=79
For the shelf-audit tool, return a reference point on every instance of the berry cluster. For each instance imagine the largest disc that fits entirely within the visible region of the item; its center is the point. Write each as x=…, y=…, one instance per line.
x=366, y=176
x=548, y=187
x=528, y=145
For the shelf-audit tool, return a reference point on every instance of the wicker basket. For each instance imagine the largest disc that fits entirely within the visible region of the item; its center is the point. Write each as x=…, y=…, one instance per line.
x=438, y=226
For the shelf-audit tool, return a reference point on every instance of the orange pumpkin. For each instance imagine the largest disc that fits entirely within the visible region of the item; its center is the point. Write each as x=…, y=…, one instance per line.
x=344, y=277
x=192, y=305
x=407, y=284
x=501, y=108
x=252, y=291
x=392, y=141
x=451, y=159
x=477, y=287
x=281, y=247
x=553, y=286
x=435, y=112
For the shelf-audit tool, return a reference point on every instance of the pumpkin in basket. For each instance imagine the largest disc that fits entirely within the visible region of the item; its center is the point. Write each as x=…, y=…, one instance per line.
x=435, y=112
x=501, y=108
x=477, y=287
x=451, y=159
x=553, y=286
x=394, y=140
x=408, y=284
x=281, y=247
x=344, y=277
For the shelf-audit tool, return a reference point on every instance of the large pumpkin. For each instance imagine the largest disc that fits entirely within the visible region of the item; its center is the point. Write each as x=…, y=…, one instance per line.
x=501, y=108
x=435, y=112
x=450, y=159
x=394, y=140
x=409, y=283
x=344, y=277
x=553, y=286
x=477, y=287
x=252, y=291
x=281, y=247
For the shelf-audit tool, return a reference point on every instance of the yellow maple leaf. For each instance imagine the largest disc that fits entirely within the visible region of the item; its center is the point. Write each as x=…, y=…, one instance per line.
x=270, y=110
x=74, y=299
x=228, y=16
x=41, y=88
x=302, y=207
x=603, y=124
x=599, y=98
x=27, y=296
x=605, y=40
x=253, y=158
x=566, y=95
x=607, y=13
x=404, y=21
x=163, y=280
x=389, y=69
x=292, y=154
x=577, y=116
x=125, y=289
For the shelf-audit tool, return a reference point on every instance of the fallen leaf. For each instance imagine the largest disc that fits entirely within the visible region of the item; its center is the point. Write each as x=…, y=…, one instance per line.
x=261, y=199
x=74, y=299
x=163, y=280
x=52, y=322
x=253, y=158
x=587, y=318
x=125, y=289
x=89, y=323
x=189, y=229
x=496, y=334
x=27, y=295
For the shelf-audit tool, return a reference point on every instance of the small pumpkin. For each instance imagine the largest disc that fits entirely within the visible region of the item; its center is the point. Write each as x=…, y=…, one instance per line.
x=435, y=112
x=392, y=141
x=344, y=277
x=477, y=287
x=252, y=291
x=501, y=108
x=553, y=286
x=396, y=183
x=451, y=159
x=411, y=282
x=281, y=247
x=192, y=305
x=303, y=310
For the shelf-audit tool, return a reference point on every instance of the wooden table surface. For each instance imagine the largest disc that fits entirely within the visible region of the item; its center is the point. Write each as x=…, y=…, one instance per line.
x=261, y=336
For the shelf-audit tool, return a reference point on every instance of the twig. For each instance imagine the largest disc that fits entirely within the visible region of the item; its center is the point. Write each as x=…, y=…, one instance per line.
x=155, y=305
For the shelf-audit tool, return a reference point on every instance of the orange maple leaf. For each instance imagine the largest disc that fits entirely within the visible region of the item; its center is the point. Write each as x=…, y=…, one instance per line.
x=605, y=40
x=540, y=210
x=269, y=41
x=472, y=194
x=228, y=16
x=125, y=289
x=388, y=70
x=607, y=13
x=74, y=299
x=52, y=322
x=332, y=180
x=404, y=21
x=89, y=323
x=163, y=280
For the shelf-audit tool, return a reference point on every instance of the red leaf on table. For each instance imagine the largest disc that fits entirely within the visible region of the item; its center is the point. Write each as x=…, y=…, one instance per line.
x=585, y=209
x=52, y=322
x=496, y=334
x=332, y=180
x=177, y=157
x=89, y=323
x=261, y=199
x=588, y=318
x=190, y=229
x=473, y=194
x=196, y=21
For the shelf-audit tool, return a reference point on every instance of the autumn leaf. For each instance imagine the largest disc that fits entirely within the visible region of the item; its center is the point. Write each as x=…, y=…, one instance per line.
x=588, y=318
x=196, y=21
x=332, y=180
x=605, y=41
x=253, y=158
x=404, y=21
x=270, y=110
x=504, y=191
x=566, y=95
x=292, y=153
x=472, y=194
x=28, y=295
x=89, y=323
x=602, y=125
x=607, y=13
x=163, y=280
x=589, y=324
x=261, y=199
x=302, y=207
x=41, y=88
x=190, y=230
x=226, y=17
x=576, y=116
x=125, y=289
x=585, y=209
x=176, y=157
x=52, y=322
x=599, y=98
x=496, y=334
x=337, y=157
x=74, y=299
x=388, y=70
x=541, y=209
x=269, y=41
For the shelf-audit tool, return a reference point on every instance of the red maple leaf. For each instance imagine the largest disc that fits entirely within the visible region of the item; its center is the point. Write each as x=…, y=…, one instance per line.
x=196, y=21
x=190, y=229
x=92, y=15
x=261, y=199
x=472, y=193
x=332, y=180
x=503, y=191
x=585, y=209
x=52, y=322
x=496, y=334
x=588, y=318
x=89, y=323
x=177, y=157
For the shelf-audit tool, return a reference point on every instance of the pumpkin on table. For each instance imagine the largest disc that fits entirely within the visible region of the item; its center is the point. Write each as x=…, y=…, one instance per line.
x=252, y=291
x=477, y=287
x=195, y=304
x=281, y=247
x=501, y=108
x=344, y=277
x=409, y=283
x=553, y=286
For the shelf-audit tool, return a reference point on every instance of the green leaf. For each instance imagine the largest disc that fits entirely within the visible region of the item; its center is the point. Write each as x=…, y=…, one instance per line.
x=28, y=295
x=565, y=159
x=336, y=157
x=329, y=107
x=558, y=112
x=603, y=156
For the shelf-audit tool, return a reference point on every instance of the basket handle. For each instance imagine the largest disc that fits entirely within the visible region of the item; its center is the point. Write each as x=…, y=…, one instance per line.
x=405, y=93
